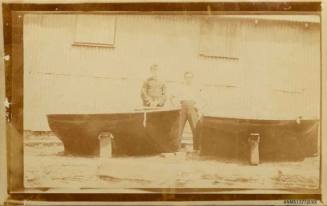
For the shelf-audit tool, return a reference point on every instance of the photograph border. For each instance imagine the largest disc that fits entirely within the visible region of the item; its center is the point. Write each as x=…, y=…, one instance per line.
x=13, y=15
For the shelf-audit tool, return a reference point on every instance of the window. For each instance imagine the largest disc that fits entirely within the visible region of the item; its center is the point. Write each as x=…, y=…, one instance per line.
x=219, y=38
x=95, y=30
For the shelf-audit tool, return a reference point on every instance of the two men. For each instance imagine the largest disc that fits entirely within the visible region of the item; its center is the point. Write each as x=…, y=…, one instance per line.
x=154, y=94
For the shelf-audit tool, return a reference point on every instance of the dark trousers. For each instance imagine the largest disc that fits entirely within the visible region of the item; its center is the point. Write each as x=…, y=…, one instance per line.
x=189, y=113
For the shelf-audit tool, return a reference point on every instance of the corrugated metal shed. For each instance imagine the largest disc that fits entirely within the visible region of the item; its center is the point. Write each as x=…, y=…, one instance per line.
x=276, y=75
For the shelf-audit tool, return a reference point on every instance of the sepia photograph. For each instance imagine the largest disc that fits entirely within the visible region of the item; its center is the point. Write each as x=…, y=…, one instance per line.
x=172, y=101
x=165, y=102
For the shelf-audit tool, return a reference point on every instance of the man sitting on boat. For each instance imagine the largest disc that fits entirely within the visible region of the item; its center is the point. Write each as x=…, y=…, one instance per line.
x=154, y=91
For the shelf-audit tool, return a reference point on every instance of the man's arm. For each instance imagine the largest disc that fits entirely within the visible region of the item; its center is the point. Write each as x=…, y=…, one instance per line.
x=145, y=97
x=163, y=98
x=175, y=97
x=201, y=103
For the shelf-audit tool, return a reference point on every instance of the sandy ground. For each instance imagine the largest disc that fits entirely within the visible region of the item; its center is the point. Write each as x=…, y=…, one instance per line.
x=47, y=166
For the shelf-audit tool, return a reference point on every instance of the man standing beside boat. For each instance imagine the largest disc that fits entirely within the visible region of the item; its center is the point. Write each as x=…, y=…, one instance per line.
x=189, y=97
x=154, y=91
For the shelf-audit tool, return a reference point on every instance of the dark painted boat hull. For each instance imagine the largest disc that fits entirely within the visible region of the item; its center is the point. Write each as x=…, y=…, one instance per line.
x=134, y=133
x=279, y=139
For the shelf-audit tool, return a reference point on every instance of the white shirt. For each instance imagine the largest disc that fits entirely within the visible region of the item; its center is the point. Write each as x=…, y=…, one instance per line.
x=190, y=92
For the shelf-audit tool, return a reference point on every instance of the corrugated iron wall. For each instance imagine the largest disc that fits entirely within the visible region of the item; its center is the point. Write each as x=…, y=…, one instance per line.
x=276, y=75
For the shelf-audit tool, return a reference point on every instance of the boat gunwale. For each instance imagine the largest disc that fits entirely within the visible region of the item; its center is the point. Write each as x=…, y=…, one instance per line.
x=257, y=120
x=111, y=114
x=204, y=116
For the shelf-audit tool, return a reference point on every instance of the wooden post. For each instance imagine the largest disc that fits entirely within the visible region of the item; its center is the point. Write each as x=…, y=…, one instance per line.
x=105, y=143
x=14, y=76
x=254, y=140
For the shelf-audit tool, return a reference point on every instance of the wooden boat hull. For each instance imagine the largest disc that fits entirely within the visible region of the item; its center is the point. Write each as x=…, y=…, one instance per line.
x=279, y=139
x=138, y=133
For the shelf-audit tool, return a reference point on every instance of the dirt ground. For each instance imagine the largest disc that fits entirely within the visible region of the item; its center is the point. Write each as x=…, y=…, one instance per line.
x=46, y=166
